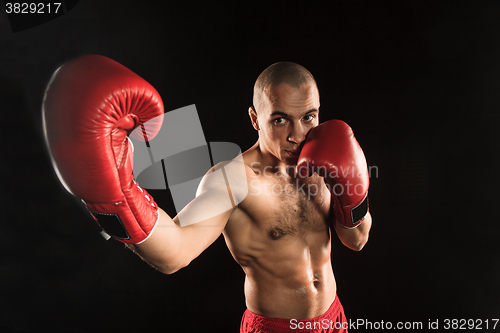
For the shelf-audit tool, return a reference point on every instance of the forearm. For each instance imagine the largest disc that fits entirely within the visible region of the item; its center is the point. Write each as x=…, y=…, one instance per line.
x=161, y=249
x=355, y=238
x=172, y=247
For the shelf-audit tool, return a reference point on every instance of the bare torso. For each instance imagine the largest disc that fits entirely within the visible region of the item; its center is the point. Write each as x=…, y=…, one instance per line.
x=280, y=236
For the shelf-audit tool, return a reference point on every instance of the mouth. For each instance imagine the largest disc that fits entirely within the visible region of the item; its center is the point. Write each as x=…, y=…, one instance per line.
x=294, y=153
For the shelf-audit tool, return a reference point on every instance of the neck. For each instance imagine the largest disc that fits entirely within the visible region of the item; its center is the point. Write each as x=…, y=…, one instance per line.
x=271, y=163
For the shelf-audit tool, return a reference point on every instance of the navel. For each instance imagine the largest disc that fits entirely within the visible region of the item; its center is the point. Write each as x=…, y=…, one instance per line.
x=316, y=284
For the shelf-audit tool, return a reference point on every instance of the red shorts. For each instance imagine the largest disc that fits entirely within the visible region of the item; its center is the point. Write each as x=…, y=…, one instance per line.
x=333, y=320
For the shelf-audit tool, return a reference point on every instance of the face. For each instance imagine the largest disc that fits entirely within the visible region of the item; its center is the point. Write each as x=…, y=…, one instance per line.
x=284, y=118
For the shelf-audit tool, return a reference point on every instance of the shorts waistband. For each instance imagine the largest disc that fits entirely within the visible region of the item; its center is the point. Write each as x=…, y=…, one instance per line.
x=278, y=325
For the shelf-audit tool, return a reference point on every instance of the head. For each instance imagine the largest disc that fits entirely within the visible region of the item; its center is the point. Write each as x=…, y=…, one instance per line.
x=285, y=108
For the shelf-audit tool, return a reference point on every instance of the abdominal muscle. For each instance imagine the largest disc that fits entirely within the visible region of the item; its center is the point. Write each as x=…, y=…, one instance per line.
x=290, y=278
x=282, y=240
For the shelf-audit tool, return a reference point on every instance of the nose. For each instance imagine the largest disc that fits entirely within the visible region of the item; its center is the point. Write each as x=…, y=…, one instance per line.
x=297, y=133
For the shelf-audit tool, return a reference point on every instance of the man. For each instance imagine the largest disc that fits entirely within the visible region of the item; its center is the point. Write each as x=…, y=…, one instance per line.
x=279, y=226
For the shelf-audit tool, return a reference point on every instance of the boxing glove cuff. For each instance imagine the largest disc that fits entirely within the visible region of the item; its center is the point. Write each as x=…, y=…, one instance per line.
x=129, y=221
x=353, y=215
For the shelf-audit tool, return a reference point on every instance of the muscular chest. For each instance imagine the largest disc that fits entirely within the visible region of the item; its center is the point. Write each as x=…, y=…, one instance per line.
x=288, y=207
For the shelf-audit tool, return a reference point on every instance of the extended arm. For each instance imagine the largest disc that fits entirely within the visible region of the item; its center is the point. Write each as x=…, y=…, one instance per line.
x=171, y=246
x=91, y=105
x=176, y=242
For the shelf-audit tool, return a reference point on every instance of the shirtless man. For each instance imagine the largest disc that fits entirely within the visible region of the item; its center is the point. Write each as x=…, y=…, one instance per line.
x=279, y=229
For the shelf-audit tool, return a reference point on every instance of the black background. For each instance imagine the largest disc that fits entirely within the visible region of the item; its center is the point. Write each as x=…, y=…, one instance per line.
x=418, y=81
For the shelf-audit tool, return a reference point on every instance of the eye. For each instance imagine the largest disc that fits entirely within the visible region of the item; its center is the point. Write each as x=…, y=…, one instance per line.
x=308, y=118
x=280, y=121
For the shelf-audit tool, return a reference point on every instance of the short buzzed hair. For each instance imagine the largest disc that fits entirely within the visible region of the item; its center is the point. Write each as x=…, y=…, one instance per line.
x=287, y=72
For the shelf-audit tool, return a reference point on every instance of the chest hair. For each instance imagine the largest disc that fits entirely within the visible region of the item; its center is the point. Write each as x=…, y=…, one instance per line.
x=298, y=209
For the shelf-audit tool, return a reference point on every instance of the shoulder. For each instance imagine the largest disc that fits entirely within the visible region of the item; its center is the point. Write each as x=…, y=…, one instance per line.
x=227, y=176
x=252, y=158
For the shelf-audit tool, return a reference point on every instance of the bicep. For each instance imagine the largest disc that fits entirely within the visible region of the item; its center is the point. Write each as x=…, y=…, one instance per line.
x=171, y=246
x=203, y=220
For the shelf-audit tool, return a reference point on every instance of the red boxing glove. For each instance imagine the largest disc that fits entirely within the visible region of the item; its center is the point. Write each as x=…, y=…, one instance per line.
x=332, y=151
x=91, y=105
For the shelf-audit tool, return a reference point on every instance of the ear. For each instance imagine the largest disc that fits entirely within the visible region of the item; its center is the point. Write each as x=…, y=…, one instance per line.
x=253, y=117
